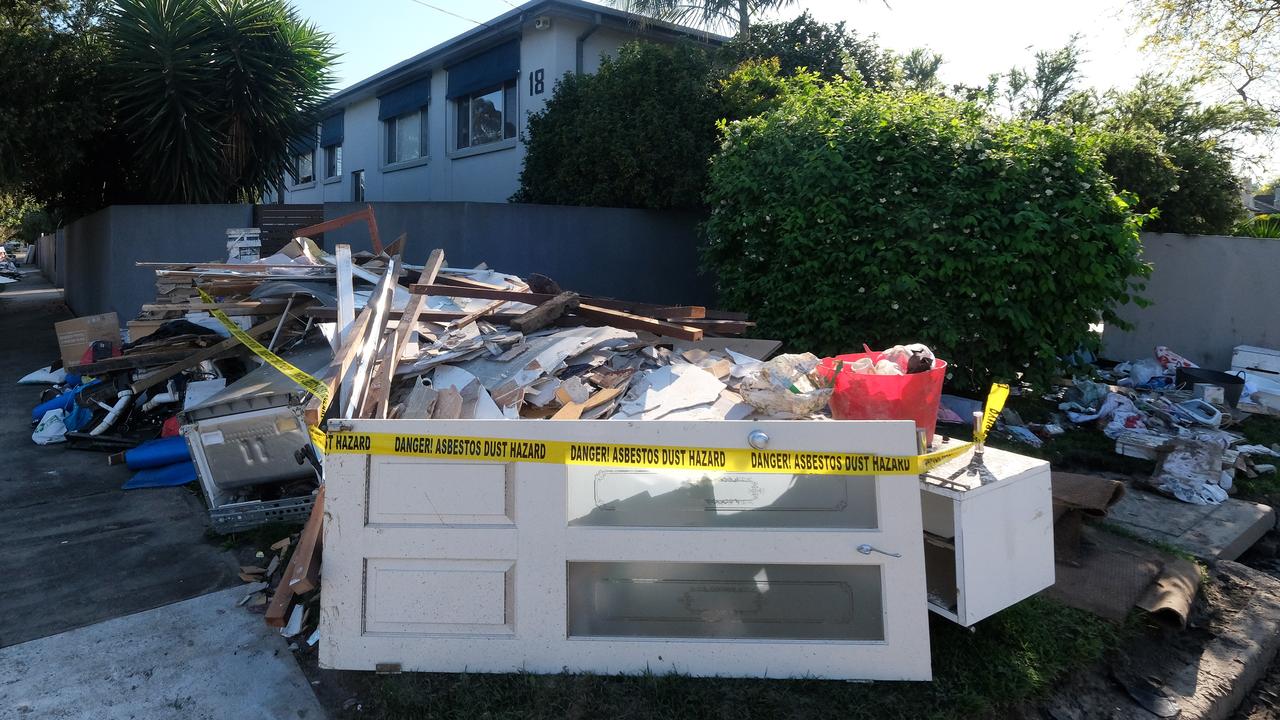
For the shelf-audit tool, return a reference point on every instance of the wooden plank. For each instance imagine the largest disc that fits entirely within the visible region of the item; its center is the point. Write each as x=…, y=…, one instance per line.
x=397, y=246
x=544, y=314
x=366, y=215
x=490, y=293
x=304, y=565
x=346, y=294
x=629, y=321
x=314, y=411
x=436, y=316
x=199, y=356
x=381, y=301
x=380, y=387
x=133, y=361
x=573, y=411
x=260, y=305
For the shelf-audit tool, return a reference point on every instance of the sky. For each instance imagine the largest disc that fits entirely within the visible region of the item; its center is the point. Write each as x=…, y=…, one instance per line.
x=976, y=38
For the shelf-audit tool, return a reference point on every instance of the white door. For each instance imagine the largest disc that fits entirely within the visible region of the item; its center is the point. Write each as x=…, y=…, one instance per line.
x=451, y=565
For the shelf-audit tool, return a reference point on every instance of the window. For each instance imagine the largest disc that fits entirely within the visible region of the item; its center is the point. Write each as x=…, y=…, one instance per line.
x=357, y=186
x=304, y=166
x=487, y=116
x=333, y=161
x=406, y=137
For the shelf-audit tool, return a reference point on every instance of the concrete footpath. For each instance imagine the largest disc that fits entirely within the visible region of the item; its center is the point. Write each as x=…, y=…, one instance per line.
x=75, y=549
x=200, y=659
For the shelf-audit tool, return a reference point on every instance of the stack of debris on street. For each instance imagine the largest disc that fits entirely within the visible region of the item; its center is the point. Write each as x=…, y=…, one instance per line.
x=228, y=376
x=1168, y=410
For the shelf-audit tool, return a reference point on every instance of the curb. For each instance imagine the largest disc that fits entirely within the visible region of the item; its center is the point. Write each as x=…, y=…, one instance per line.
x=1233, y=662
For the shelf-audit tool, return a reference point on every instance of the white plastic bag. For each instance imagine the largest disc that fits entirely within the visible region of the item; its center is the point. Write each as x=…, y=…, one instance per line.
x=44, y=376
x=51, y=428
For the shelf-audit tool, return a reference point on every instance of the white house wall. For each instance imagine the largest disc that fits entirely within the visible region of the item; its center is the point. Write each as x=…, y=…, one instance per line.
x=488, y=175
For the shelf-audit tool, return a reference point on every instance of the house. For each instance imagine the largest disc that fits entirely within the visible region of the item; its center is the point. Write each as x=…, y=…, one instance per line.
x=448, y=124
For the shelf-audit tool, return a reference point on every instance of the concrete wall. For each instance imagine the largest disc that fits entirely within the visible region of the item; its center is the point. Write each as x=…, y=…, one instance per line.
x=1209, y=294
x=631, y=254
x=98, y=262
x=47, y=256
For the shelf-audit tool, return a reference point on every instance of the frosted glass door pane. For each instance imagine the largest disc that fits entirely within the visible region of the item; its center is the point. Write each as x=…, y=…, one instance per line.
x=680, y=498
x=725, y=600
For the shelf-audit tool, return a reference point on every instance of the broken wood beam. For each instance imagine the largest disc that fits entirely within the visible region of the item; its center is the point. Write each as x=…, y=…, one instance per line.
x=376, y=400
x=628, y=321
x=488, y=293
x=304, y=564
x=199, y=356
x=366, y=215
x=545, y=314
x=332, y=375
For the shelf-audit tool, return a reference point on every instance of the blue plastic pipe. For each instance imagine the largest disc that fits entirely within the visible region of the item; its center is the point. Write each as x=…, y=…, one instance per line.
x=157, y=453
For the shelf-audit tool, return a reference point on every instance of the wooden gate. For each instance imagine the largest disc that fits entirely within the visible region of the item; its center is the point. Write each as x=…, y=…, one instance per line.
x=278, y=223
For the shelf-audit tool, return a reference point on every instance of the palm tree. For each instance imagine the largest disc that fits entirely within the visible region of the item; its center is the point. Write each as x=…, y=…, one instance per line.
x=210, y=92
x=708, y=13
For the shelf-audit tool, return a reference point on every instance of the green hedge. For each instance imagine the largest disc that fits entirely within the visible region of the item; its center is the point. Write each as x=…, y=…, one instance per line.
x=845, y=216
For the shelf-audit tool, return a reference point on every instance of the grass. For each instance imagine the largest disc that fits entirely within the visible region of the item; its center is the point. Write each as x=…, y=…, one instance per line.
x=1010, y=659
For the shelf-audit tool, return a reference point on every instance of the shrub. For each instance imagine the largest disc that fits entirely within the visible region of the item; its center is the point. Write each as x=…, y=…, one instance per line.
x=637, y=133
x=846, y=216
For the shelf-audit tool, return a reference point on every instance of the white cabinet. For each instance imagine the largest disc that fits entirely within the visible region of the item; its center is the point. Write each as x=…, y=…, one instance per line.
x=451, y=566
x=986, y=546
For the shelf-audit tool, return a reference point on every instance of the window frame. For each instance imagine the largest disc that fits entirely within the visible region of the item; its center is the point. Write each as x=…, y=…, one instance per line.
x=389, y=130
x=357, y=185
x=333, y=153
x=509, y=90
x=298, y=180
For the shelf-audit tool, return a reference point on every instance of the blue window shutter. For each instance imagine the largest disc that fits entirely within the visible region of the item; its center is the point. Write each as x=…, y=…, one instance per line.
x=303, y=143
x=491, y=67
x=405, y=98
x=331, y=130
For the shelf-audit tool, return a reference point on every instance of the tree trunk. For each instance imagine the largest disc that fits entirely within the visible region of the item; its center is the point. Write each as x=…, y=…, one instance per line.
x=744, y=19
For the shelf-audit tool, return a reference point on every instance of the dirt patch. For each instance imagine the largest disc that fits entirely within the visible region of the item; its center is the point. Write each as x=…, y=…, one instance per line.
x=1151, y=653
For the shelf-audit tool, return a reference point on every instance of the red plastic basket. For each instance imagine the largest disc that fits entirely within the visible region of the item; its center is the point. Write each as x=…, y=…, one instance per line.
x=885, y=397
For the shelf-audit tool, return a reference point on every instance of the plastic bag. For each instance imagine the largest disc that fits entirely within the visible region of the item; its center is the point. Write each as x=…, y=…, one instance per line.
x=44, y=376
x=50, y=429
x=786, y=387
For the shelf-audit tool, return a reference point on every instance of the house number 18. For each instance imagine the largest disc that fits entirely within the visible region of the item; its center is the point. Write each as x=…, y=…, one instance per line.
x=536, y=84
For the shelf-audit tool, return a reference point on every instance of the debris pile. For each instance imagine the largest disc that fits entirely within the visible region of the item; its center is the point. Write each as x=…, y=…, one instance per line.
x=1168, y=410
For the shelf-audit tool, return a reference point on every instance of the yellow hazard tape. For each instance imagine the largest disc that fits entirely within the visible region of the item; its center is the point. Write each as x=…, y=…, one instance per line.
x=995, y=405
x=303, y=380
x=557, y=452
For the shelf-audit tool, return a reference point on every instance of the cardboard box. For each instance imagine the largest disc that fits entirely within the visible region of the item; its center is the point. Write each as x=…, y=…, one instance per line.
x=75, y=336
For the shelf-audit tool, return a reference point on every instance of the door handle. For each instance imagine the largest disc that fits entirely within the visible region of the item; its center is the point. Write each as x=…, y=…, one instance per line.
x=866, y=549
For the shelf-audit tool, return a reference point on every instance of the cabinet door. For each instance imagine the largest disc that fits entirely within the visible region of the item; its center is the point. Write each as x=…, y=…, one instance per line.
x=452, y=565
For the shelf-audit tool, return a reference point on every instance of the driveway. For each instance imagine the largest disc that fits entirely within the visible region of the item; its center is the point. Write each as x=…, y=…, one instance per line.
x=74, y=548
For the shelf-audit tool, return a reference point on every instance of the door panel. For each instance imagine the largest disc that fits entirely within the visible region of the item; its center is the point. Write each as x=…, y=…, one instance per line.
x=448, y=566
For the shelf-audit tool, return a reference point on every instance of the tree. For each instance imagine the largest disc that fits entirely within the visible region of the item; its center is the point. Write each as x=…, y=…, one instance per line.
x=1041, y=93
x=51, y=104
x=920, y=70
x=843, y=216
x=1234, y=41
x=828, y=49
x=707, y=13
x=1199, y=141
x=637, y=133
x=209, y=92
